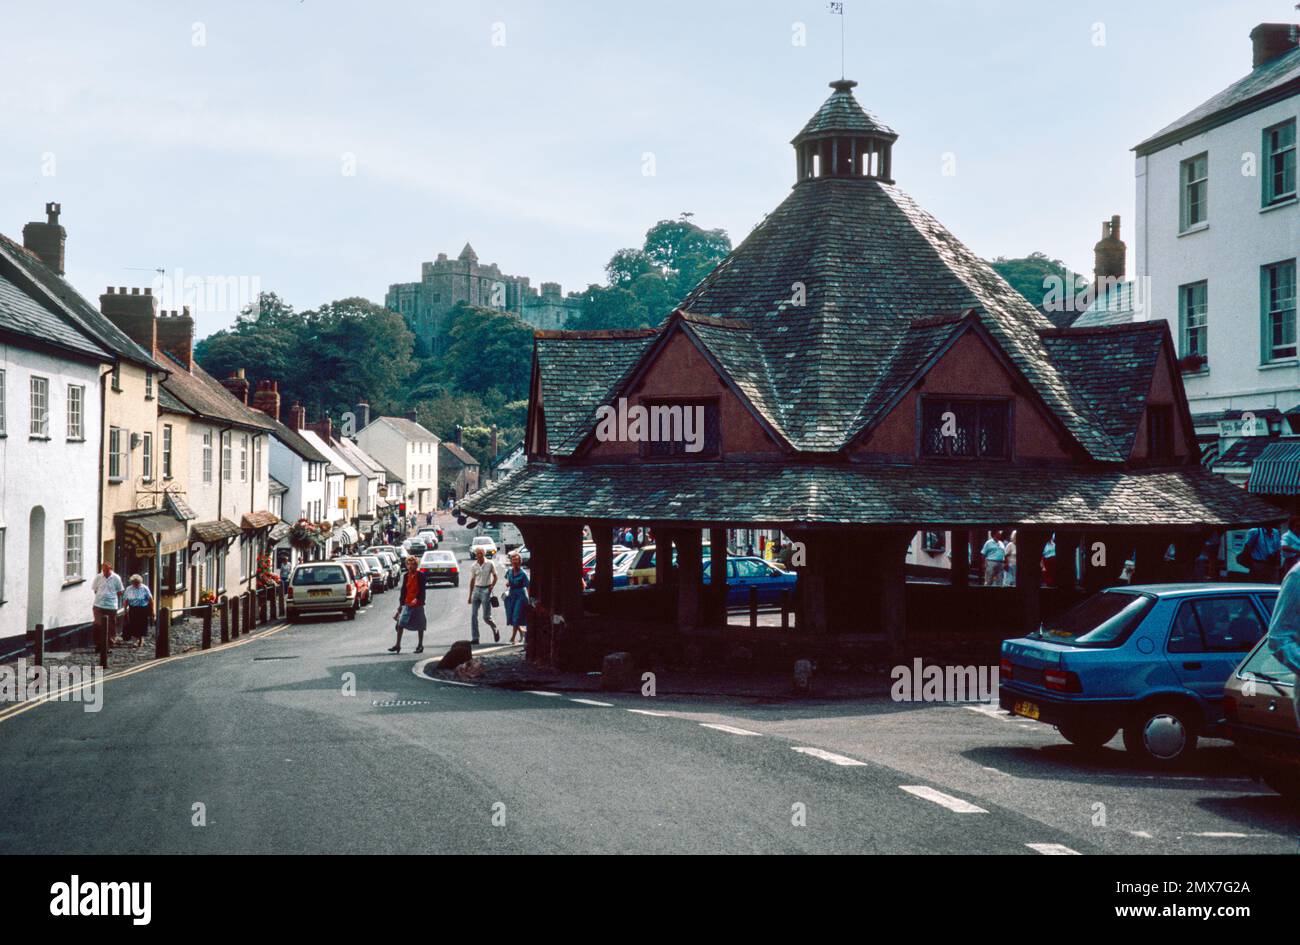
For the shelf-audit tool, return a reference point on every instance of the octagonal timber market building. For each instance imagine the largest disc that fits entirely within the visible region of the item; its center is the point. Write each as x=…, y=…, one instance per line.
x=860, y=376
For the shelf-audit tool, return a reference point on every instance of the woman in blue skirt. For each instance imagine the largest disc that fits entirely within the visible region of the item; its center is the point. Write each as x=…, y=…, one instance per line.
x=516, y=597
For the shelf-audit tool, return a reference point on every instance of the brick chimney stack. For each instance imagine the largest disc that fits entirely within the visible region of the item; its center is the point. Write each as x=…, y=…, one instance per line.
x=135, y=314
x=47, y=239
x=297, y=416
x=267, y=398
x=1108, y=256
x=1268, y=41
x=176, y=336
x=325, y=430
x=237, y=384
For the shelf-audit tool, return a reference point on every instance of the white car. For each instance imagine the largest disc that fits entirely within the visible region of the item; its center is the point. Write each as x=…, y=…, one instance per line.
x=428, y=536
x=486, y=543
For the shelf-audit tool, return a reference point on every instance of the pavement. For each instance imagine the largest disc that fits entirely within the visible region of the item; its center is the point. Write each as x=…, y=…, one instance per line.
x=313, y=739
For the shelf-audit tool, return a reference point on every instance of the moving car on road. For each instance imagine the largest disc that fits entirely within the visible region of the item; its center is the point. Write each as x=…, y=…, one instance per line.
x=1259, y=702
x=320, y=587
x=1149, y=659
x=429, y=537
x=486, y=543
x=438, y=566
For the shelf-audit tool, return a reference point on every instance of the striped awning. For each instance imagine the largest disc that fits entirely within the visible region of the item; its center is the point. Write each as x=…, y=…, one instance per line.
x=1276, y=471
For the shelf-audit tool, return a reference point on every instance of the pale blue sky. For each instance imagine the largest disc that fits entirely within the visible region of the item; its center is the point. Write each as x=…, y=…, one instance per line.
x=226, y=159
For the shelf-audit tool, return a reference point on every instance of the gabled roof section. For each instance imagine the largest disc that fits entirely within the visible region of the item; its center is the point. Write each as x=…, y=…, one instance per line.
x=460, y=453
x=336, y=463
x=22, y=315
x=358, y=457
x=62, y=298
x=577, y=370
x=1270, y=82
x=1110, y=369
x=872, y=265
x=206, y=397
x=295, y=442
x=408, y=428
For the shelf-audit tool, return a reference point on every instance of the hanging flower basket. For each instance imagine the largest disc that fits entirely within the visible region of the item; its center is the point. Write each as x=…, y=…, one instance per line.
x=266, y=574
x=208, y=597
x=304, y=534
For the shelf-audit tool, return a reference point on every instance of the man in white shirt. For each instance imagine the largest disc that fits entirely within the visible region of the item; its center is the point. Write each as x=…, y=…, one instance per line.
x=995, y=554
x=482, y=578
x=108, y=591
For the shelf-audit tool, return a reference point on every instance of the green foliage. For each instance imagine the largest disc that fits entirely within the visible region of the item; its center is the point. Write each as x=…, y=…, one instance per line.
x=1027, y=275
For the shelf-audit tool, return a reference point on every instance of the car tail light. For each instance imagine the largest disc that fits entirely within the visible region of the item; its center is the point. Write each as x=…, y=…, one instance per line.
x=288, y=591
x=1005, y=672
x=455, y=570
x=1230, y=707
x=1062, y=680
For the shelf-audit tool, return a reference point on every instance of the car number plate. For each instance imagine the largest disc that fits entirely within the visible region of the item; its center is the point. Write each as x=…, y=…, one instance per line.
x=1028, y=709
x=318, y=593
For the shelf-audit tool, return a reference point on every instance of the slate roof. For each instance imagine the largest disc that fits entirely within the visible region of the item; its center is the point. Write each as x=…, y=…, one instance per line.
x=1245, y=451
x=170, y=403
x=843, y=493
x=1277, y=78
x=291, y=439
x=275, y=486
x=841, y=114
x=74, y=306
x=578, y=370
x=22, y=315
x=214, y=531
x=873, y=264
x=359, y=458
x=408, y=428
x=205, y=396
x=460, y=453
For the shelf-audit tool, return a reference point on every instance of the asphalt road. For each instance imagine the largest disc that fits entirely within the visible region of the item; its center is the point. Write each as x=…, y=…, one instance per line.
x=314, y=739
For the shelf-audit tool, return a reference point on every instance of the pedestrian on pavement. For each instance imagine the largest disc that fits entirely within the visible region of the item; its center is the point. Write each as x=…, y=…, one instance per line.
x=994, y=553
x=482, y=578
x=410, y=606
x=1291, y=544
x=516, y=599
x=139, y=608
x=1259, y=555
x=108, y=590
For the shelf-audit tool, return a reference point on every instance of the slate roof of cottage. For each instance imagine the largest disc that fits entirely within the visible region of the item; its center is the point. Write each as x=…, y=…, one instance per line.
x=293, y=441
x=408, y=428
x=460, y=453
x=205, y=396
x=577, y=372
x=1264, y=84
x=857, y=494
x=22, y=315
x=74, y=306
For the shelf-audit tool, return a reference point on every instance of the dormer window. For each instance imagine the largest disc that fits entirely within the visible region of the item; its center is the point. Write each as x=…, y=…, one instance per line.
x=955, y=428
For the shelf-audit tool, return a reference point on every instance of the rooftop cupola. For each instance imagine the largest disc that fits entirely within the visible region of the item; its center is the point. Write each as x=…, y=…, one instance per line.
x=844, y=140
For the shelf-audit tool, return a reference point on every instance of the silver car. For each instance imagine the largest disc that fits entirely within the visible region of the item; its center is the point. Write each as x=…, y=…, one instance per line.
x=320, y=587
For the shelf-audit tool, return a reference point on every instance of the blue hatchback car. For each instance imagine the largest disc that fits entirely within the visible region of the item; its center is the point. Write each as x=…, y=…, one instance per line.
x=744, y=572
x=1149, y=659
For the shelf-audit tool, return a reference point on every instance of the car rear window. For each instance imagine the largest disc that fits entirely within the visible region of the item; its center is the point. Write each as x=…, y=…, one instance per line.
x=373, y=561
x=1104, y=619
x=1263, y=664
x=319, y=574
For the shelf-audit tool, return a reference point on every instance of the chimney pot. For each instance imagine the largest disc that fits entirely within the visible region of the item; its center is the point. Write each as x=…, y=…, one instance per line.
x=1270, y=40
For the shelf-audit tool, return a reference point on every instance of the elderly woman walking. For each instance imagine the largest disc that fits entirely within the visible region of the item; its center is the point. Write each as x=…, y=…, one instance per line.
x=139, y=608
x=516, y=597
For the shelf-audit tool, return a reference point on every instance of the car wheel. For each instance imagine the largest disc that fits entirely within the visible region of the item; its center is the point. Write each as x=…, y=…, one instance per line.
x=350, y=614
x=455, y=583
x=1161, y=734
x=1087, y=736
x=1286, y=783
x=291, y=617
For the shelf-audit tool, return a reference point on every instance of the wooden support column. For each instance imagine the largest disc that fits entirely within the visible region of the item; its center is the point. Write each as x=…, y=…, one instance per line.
x=663, y=556
x=1187, y=549
x=1029, y=575
x=1103, y=559
x=689, y=578
x=810, y=591
x=960, y=557
x=1149, y=565
x=604, y=571
x=891, y=567
x=1063, y=569
x=717, y=596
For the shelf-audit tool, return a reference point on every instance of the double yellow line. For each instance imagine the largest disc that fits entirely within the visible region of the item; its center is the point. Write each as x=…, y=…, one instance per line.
x=29, y=704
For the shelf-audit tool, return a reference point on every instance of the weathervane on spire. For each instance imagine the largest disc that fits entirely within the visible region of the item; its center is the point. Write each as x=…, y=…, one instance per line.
x=837, y=9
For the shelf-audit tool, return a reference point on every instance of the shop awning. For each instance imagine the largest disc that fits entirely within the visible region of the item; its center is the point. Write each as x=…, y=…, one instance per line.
x=348, y=535
x=139, y=532
x=253, y=521
x=1276, y=471
x=209, y=533
x=279, y=532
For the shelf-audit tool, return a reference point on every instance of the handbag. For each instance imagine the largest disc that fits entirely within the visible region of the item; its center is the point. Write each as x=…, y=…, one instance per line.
x=494, y=602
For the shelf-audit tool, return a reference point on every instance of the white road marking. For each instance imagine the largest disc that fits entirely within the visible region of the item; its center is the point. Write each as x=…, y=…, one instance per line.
x=1227, y=835
x=1053, y=849
x=729, y=729
x=662, y=715
x=603, y=705
x=1141, y=833
x=831, y=757
x=454, y=682
x=954, y=804
x=540, y=692
x=992, y=711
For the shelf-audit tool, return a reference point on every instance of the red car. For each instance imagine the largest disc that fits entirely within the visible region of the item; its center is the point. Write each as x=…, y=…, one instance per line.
x=360, y=577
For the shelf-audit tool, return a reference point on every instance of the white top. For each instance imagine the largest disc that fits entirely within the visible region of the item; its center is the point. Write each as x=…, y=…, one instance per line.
x=106, y=590
x=484, y=573
x=993, y=550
